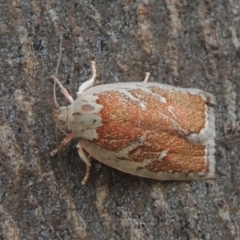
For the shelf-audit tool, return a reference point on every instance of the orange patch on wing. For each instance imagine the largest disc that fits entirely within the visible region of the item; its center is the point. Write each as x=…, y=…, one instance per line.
x=181, y=155
x=178, y=163
x=156, y=127
x=178, y=116
x=115, y=136
x=186, y=109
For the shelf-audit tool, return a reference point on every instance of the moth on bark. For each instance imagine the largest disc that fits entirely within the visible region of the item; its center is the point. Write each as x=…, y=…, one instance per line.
x=146, y=129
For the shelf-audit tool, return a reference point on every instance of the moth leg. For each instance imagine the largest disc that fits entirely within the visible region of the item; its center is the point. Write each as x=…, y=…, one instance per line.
x=146, y=77
x=84, y=157
x=90, y=82
x=63, y=89
x=64, y=142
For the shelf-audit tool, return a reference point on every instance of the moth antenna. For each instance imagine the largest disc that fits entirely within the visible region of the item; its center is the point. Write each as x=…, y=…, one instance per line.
x=58, y=63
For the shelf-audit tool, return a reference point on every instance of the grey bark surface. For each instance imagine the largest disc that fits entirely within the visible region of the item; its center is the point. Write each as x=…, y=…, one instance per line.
x=182, y=43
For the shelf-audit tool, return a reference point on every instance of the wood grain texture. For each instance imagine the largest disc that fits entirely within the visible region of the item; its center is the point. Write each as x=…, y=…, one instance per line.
x=182, y=43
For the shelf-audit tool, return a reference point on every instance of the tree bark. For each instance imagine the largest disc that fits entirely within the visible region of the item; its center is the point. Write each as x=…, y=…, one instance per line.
x=182, y=43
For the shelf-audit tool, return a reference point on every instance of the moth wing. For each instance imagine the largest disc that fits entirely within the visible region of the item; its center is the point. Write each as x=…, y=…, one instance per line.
x=153, y=131
x=175, y=159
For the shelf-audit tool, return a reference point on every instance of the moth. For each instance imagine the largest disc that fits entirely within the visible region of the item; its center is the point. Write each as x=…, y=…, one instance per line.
x=146, y=129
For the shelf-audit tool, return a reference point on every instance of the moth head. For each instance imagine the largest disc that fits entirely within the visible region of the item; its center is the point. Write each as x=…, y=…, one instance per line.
x=61, y=116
